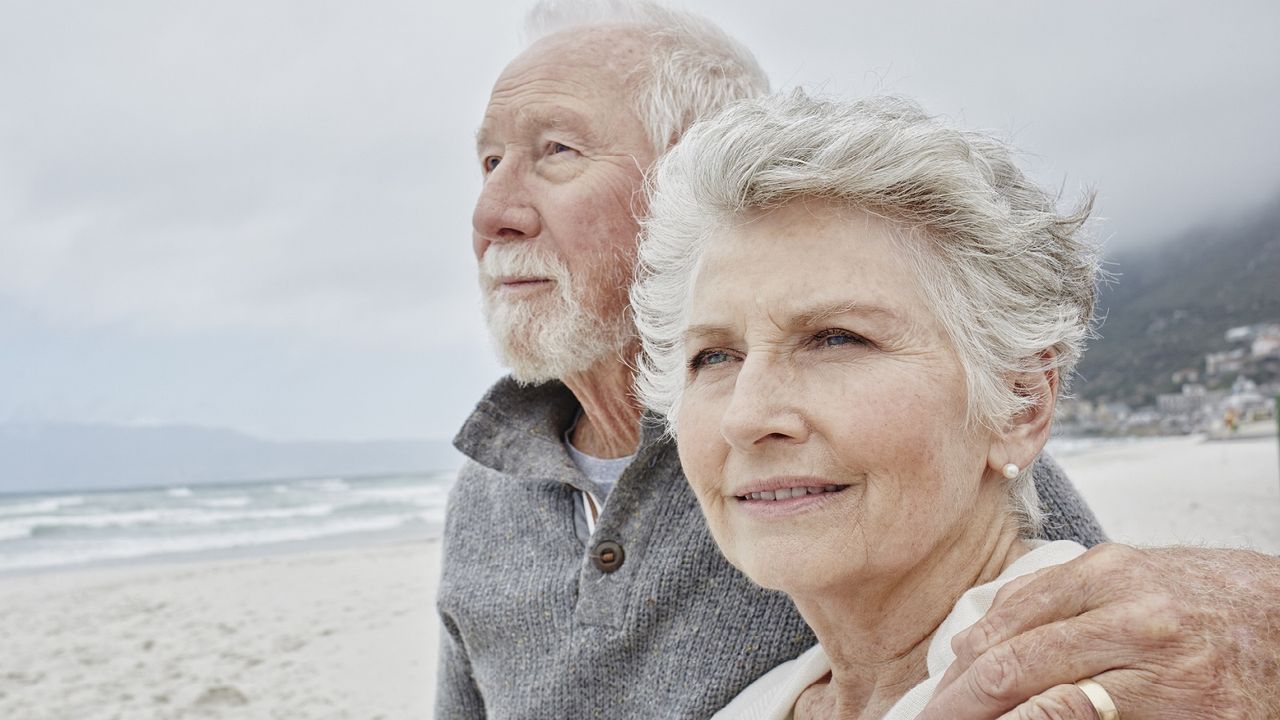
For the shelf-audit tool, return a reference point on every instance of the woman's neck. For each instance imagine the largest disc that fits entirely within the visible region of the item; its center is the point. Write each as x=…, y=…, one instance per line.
x=877, y=634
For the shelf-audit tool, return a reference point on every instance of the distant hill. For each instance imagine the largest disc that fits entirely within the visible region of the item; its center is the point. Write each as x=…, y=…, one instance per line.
x=86, y=457
x=1173, y=302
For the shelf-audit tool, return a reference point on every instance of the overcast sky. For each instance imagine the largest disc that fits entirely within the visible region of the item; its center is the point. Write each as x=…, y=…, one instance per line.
x=256, y=215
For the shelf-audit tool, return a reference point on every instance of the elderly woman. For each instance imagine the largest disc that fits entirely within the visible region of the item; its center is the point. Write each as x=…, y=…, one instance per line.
x=856, y=322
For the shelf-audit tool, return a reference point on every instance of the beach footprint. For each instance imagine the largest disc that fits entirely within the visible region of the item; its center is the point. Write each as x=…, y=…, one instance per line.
x=290, y=643
x=220, y=696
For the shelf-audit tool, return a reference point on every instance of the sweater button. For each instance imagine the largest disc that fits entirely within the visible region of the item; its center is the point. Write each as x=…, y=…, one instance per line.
x=607, y=556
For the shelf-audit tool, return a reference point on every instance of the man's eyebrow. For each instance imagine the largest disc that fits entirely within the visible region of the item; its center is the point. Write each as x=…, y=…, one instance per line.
x=557, y=118
x=560, y=119
x=706, y=331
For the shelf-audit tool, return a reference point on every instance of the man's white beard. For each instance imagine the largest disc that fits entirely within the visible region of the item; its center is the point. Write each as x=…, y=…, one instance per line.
x=553, y=333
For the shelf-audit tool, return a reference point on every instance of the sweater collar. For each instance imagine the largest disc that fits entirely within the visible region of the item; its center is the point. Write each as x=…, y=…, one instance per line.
x=519, y=430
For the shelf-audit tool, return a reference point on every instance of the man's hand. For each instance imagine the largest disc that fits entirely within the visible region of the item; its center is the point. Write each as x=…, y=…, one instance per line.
x=1171, y=633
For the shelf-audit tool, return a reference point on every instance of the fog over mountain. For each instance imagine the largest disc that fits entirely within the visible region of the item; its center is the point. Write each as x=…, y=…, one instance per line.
x=1170, y=304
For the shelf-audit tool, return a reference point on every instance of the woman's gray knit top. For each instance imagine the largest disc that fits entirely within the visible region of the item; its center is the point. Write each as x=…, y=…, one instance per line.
x=646, y=620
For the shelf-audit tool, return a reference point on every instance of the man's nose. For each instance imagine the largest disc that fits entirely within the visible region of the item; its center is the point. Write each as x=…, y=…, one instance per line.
x=762, y=410
x=505, y=211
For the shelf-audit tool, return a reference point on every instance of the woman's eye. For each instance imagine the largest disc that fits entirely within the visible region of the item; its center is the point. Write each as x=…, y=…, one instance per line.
x=559, y=148
x=833, y=338
x=707, y=358
x=490, y=163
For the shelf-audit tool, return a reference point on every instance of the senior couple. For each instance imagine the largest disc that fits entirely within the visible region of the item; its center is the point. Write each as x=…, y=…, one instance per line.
x=819, y=492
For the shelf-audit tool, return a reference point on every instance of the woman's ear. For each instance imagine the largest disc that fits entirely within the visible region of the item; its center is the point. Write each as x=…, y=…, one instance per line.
x=1025, y=434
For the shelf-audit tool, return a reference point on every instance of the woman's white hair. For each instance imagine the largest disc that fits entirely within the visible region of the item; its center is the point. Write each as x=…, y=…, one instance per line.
x=693, y=67
x=1012, y=281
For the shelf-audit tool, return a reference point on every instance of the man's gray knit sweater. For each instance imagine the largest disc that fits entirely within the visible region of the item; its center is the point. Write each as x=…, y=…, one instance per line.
x=539, y=625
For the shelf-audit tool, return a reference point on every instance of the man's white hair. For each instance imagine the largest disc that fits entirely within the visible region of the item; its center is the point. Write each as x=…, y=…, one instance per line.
x=693, y=67
x=1011, y=280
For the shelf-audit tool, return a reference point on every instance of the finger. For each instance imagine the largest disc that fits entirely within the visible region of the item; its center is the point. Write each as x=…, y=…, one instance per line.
x=1049, y=595
x=960, y=643
x=1031, y=663
x=1060, y=702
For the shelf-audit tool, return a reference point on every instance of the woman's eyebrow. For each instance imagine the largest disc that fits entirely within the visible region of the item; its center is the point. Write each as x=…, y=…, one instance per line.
x=806, y=317
x=816, y=314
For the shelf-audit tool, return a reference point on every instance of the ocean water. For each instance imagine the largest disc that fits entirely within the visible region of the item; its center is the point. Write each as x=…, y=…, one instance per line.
x=55, y=530
x=47, y=531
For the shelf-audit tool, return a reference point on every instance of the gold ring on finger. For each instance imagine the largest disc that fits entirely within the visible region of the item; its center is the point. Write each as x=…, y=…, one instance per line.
x=1099, y=698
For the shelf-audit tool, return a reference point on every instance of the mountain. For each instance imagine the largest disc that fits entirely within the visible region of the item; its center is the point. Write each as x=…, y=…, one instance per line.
x=89, y=456
x=1172, y=303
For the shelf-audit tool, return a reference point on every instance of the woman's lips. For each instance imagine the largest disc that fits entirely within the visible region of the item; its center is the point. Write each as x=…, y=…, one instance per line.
x=787, y=493
x=782, y=496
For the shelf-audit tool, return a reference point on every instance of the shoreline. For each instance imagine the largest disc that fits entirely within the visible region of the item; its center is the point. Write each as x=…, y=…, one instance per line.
x=127, y=526
x=346, y=629
x=336, y=543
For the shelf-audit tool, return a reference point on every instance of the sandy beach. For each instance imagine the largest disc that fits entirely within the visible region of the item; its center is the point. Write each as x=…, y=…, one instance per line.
x=352, y=633
x=335, y=635
x=1184, y=490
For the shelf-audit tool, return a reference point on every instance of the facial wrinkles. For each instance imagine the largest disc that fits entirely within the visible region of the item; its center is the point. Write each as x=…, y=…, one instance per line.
x=587, y=79
x=604, y=187
x=885, y=420
x=536, y=105
x=777, y=360
x=897, y=342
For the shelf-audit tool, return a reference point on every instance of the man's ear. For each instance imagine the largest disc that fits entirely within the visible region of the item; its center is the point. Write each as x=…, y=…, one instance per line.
x=1025, y=434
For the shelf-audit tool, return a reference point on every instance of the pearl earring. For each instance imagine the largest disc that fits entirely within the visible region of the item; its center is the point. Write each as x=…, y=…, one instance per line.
x=1011, y=471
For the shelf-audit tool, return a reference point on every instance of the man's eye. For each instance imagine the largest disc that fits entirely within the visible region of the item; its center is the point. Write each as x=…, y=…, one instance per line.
x=490, y=163
x=709, y=357
x=559, y=148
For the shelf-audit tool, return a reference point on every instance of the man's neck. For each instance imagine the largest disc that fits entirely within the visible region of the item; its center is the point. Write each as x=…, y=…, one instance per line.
x=610, y=422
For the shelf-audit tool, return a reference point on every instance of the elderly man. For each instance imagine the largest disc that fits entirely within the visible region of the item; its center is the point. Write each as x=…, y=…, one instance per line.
x=579, y=581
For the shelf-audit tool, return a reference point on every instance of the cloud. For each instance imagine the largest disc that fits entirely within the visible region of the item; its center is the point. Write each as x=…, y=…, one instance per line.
x=184, y=171
x=1166, y=111
x=180, y=181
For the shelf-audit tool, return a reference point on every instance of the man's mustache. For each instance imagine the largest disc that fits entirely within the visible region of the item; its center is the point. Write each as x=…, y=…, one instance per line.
x=521, y=261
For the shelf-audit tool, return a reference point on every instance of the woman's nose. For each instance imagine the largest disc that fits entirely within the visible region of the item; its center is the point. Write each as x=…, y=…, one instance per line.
x=761, y=411
x=507, y=208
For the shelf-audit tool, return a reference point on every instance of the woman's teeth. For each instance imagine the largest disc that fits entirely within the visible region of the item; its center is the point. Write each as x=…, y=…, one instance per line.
x=788, y=493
